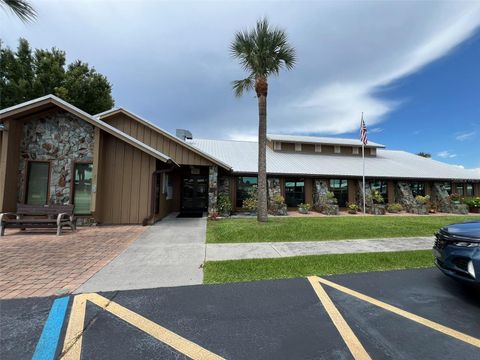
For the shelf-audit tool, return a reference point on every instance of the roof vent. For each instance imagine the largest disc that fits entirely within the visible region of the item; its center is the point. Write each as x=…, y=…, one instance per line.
x=184, y=134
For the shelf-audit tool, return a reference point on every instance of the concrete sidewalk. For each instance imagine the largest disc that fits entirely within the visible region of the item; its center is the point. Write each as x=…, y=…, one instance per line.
x=286, y=249
x=169, y=253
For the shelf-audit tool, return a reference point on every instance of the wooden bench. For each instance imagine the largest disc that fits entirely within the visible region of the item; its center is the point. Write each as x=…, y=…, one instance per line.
x=39, y=216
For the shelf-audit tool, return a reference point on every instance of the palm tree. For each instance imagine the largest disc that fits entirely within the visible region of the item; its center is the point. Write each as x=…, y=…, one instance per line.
x=21, y=8
x=262, y=52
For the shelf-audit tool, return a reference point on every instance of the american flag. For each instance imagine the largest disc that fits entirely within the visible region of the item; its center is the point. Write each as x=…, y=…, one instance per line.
x=363, y=132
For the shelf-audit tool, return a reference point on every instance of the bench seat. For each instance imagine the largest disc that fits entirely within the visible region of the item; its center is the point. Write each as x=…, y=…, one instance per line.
x=39, y=216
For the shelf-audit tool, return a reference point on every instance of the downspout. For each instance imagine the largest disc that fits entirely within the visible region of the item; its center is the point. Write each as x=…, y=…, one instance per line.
x=149, y=220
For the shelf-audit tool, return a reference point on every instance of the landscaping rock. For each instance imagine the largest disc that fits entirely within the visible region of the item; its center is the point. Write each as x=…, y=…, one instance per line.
x=444, y=203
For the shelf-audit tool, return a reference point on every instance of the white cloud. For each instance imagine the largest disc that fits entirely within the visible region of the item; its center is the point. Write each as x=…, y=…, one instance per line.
x=465, y=135
x=376, y=130
x=446, y=154
x=169, y=61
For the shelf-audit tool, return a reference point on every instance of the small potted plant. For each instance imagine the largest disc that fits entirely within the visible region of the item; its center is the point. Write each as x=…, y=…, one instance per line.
x=304, y=208
x=224, y=205
x=353, y=208
x=455, y=198
x=394, y=208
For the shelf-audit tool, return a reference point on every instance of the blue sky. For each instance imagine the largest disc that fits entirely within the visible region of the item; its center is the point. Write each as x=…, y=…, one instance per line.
x=440, y=109
x=412, y=67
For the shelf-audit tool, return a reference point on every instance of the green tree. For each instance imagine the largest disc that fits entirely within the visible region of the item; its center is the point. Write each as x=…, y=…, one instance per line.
x=424, y=154
x=262, y=51
x=25, y=76
x=21, y=8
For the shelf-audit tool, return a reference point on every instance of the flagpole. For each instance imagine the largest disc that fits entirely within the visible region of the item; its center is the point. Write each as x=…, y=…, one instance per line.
x=363, y=172
x=363, y=177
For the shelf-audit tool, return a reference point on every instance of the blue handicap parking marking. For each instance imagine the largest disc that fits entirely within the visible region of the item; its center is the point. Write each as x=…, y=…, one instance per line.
x=47, y=345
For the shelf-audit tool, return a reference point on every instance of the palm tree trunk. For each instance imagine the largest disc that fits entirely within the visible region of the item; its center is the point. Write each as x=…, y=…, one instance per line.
x=262, y=211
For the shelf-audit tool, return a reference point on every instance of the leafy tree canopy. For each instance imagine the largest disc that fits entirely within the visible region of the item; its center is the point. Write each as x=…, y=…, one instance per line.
x=424, y=154
x=27, y=74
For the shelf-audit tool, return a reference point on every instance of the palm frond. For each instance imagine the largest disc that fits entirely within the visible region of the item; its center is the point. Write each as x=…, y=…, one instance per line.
x=21, y=8
x=263, y=50
x=242, y=86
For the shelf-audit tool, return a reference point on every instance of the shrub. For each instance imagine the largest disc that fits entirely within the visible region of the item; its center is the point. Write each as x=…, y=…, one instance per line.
x=278, y=199
x=305, y=207
x=394, y=208
x=473, y=202
x=330, y=195
x=422, y=200
x=224, y=204
x=377, y=197
x=454, y=197
x=353, y=208
x=250, y=203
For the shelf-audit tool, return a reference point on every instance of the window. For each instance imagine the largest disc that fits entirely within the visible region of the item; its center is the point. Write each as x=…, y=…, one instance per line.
x=469, y=189
x=418, y=188
x=82, y=187
x=355, y=150
x=336, y=149
x=459, y=189
x=277, y=145
x=298, y=147
x=339, y=187
x=294, y=192
x=380, y=186
x=244, y=184
x=373, y=151
x=318, y=147
x=37, y=182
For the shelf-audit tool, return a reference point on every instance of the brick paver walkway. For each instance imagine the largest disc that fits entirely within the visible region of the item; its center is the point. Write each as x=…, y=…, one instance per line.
x=41, y=264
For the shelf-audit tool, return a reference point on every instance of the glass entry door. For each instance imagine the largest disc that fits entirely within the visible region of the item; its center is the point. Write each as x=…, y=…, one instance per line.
x=195, y=193
x=294, y=192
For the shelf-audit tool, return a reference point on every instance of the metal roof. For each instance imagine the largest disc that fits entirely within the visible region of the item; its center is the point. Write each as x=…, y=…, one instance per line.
x=242, y=157
x=321, y=140
x=161, y=131
x=52, y=99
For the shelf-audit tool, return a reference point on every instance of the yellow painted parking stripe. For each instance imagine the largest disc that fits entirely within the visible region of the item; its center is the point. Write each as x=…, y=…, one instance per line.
x=418, y=319
x=75, y=329
x=72, y=345
x=351, y=340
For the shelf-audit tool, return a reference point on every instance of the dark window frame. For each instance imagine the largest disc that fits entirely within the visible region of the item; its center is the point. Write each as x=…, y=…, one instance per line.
x=295, y=192
x=72, y=184
x=340, y=192
x=415, y=188
x=27, y=179
x=383, y=187
x=239, y=199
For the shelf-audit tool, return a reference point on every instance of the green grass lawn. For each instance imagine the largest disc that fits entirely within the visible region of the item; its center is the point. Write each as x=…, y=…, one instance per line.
x=326, y=228
x=301, y=266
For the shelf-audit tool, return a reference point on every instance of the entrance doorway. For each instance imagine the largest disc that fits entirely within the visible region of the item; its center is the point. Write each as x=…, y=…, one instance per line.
x=294, y=192
x=195, y=193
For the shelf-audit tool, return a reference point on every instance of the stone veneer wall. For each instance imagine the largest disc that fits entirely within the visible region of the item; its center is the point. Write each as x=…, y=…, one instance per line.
x=212, y=188
x=274, y=189
x=62, y=139
x=224, y=185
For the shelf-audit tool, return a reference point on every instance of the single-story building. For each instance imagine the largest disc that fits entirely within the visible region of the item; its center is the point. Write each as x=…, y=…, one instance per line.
x=118, y=168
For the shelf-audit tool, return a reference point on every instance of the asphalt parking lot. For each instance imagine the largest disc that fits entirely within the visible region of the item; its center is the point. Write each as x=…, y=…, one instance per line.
x=409, y=314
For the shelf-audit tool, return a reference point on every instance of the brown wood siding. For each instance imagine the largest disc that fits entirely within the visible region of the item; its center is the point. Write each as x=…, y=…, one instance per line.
x=352, y=191
x=391, y=191
x=154, y=139
x=9, y=157
x=308, y=191
x=125, y=175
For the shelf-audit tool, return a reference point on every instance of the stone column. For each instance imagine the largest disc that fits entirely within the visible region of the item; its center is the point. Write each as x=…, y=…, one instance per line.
x=212, y=188
x=404, y=196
